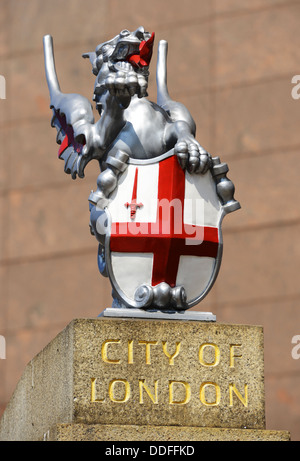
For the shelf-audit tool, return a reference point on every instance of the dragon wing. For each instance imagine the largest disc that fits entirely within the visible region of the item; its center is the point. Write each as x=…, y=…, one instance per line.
x=72, y=117
x=176, y=110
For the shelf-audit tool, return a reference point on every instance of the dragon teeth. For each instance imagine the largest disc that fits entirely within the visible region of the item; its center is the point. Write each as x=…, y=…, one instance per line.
x=124, y=65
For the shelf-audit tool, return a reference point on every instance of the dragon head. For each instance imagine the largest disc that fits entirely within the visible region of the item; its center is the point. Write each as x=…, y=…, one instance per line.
x=127, y=52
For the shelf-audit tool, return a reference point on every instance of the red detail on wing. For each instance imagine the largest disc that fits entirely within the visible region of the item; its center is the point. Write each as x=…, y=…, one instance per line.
x=64, y=145
x=145, y=53
x=69, y=136
x=167, y=247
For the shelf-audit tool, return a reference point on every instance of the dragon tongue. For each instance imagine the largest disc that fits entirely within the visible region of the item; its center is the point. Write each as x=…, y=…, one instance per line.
x=146, y=48
x=145, y=53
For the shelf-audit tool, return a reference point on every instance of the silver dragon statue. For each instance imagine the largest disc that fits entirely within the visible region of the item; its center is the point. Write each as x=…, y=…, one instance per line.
x=160, y=196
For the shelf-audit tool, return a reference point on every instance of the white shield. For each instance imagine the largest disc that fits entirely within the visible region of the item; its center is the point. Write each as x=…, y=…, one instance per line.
x=164, y=246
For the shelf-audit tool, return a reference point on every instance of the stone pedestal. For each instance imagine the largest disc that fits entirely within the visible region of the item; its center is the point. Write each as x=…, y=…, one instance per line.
x=113, y=379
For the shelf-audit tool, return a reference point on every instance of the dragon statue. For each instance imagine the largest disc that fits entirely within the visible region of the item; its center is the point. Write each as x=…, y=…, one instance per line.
x=133, y=133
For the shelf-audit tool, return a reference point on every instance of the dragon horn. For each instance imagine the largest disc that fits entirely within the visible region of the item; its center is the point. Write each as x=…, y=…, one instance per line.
x=51, y=76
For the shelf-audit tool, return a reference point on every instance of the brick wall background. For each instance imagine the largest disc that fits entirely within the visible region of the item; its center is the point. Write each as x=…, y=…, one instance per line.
x=231, y=62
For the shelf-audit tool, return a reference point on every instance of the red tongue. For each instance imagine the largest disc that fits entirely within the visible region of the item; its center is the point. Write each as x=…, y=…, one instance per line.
x=143, y=59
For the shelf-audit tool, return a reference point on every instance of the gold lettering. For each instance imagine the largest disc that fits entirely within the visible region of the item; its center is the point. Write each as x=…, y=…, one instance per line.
x=130, y=351
x=111, y=389
x=142, y=386
x=187, y=397
x=217, y=393
x=233, y=389
x=148, y=344
x=173, y=356
x=216, y=352
x=93, y=391
x=232, y=354
x=104, y=350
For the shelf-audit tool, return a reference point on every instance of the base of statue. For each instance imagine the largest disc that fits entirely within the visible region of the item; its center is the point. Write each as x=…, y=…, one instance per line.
x=112, y=433
x=158, y=315
x=133, y=379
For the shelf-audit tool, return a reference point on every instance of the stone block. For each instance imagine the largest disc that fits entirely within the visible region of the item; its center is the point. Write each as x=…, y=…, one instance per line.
x=141, y=372
x=101, y=433
x=21, y=346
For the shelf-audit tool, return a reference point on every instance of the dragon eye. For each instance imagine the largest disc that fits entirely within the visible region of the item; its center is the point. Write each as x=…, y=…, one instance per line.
x=122, y=51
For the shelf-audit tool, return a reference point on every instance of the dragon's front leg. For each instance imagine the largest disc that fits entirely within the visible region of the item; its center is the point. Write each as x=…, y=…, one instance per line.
x=191, y=155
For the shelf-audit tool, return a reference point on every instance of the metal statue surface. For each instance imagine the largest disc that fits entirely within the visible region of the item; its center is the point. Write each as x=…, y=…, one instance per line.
x=160, y=197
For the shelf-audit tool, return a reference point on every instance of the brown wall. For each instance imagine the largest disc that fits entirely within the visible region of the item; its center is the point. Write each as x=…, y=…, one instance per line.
x=231, y=62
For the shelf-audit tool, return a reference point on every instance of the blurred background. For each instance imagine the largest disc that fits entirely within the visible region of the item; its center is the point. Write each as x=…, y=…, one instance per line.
x=231, y=62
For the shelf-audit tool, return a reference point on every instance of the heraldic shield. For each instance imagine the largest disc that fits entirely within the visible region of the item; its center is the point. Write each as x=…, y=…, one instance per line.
x=163, y=244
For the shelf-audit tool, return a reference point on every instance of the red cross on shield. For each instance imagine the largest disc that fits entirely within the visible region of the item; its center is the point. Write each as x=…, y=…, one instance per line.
x=165, y=227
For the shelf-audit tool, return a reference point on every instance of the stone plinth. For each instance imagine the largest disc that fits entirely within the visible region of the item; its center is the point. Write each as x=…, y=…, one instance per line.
x=111, y=433
x=205, y=378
